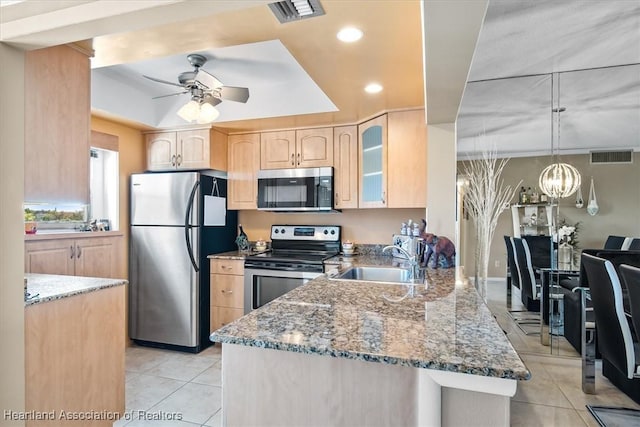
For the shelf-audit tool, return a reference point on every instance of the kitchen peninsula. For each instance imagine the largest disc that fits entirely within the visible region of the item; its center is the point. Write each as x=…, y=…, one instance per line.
x=74, y=348
x=340, y=353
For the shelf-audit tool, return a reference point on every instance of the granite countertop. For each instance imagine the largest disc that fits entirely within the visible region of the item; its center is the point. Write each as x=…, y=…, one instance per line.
x=49, y=287
x=233, y=255
x=446, y=327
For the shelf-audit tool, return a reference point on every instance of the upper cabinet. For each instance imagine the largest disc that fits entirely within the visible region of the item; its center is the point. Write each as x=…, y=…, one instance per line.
x=372, y=159
x=307, y=148
x=345, y=173
x=187, y=150
x=244, y=163
x=407, y=159
x=57, y=125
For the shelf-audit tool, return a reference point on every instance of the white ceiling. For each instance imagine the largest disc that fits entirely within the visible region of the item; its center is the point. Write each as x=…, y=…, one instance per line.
x=278, y=86
x=590, y=44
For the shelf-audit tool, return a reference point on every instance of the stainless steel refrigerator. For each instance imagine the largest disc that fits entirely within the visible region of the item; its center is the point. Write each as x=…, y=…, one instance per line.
x=177, y=220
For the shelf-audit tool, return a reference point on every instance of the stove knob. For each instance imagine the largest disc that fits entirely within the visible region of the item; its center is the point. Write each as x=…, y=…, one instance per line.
x=276, y=231
x=326, y=232
x=282, y=230
x=333, y=232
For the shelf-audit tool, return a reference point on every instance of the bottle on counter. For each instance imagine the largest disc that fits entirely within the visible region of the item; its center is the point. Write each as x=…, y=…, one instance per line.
x=403, y=229
x=522, y=196
x=242, y=240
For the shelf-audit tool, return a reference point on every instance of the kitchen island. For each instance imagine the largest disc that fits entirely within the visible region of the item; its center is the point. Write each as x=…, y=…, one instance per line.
x=74, y=350
x=342, y=353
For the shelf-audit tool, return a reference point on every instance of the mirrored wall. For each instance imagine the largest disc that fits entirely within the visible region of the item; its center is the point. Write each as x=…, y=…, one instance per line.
x=589, y=119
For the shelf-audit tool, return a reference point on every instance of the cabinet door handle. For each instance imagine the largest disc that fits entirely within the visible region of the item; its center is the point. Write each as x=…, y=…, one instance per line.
x=79, y=252
x=298, y=159
x=226, y=267
x=72, y=251
x=179, y=159
x=224, y=291
x=383, y=198
x=173, y=160
x=292, y=159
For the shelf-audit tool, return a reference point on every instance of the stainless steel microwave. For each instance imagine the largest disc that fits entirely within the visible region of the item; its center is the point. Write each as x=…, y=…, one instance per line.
x=301, y=190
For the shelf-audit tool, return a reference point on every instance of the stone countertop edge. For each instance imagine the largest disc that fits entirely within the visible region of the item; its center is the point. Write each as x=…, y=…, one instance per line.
x=51, y=287
x=349, y=320
x=71, y=234
x=230, y=255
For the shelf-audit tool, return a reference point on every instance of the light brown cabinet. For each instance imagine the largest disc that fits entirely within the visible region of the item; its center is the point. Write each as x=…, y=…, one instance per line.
x=57, y=125
x=372, y=163
x=89, y=256
x=244, y=163
x=306, y=148
x=227, y=292
x=407, y=159
x=187, y=150
x=74, y=356
x=345, y=172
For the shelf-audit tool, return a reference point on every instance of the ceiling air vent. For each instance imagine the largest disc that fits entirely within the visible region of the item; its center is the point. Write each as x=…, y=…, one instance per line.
x=607, y=157
x=294, y=10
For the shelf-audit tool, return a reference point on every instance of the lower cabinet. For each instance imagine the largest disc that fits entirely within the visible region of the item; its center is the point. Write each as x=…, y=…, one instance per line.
x=227, y=291
x=87, y=256
x=74, y=358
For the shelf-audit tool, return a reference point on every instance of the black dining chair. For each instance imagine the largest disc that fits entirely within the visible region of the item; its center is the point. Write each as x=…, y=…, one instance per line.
x=529, y=288
x=635, y=245
x=512, y=271
x=614, y=242
x=630, y=276
x=615, y=341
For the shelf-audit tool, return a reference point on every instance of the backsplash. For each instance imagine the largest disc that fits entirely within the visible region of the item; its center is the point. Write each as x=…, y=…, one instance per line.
x=361, y=226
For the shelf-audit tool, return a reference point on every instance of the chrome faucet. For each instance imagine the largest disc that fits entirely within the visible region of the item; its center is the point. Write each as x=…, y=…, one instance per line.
x=411, y=258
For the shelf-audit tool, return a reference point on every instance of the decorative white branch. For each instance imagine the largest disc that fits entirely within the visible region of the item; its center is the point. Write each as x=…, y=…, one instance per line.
x=486, y=197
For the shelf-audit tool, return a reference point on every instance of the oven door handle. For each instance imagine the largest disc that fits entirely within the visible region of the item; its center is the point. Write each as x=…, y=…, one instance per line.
x=288, y=272
x=275, y=270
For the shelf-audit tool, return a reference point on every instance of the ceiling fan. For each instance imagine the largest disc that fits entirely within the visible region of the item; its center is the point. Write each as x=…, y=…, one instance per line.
x=206, y=91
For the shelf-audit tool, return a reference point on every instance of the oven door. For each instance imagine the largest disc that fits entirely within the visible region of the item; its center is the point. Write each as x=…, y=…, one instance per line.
x=306, y=189
x=262, y=286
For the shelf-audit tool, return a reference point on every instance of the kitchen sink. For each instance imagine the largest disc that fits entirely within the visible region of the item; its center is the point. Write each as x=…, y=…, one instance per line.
x=376, y=274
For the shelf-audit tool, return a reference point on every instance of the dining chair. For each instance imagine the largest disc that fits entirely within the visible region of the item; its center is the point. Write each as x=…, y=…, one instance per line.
x=614, y=337
x=630, y=276
x=530, y=292
x=635, y=244
x=614, y=242
x=512, y=272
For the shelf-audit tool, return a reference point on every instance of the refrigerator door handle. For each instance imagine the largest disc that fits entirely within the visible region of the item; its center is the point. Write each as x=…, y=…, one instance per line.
x=187, y=225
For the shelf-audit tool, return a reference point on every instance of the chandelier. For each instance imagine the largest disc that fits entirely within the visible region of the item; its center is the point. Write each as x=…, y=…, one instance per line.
x=559, y=180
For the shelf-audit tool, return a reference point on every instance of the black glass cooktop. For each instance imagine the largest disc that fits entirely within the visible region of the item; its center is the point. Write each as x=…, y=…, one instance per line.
x=291, y=256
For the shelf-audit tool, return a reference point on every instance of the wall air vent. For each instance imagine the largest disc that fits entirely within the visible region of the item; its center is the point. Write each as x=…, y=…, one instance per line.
x=294, y=10
x=608, y=157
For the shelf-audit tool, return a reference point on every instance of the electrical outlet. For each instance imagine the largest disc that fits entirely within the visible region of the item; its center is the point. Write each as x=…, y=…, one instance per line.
x=497, y=264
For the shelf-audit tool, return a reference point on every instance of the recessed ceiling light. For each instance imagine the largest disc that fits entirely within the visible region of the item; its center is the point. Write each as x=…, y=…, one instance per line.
x=373, y=88
x=349, y=34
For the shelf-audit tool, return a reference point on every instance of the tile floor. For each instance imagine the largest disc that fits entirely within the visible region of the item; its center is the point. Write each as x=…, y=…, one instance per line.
x=161, y=382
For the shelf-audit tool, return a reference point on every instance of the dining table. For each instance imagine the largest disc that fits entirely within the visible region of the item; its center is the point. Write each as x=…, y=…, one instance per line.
x=550, y=292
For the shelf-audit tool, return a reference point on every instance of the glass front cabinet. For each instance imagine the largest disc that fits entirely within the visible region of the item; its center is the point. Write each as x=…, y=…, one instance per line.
x=372, y=153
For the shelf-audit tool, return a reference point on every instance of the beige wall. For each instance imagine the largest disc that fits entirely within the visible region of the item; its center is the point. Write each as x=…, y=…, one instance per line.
x=358, y=225
x=441, y=180
x=12, y=374
x=132, y=158
x=617, y=190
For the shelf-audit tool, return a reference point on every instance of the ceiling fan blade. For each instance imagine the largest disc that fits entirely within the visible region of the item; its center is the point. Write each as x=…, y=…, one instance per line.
x=162, y=81
x=171, y=94
x=212, y=100
x=232, y=93
x=207, y=79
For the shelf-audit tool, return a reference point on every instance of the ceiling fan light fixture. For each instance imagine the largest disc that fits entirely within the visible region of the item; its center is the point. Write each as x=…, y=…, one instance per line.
x=189, y=111
x=349, y=34
x=207, y=114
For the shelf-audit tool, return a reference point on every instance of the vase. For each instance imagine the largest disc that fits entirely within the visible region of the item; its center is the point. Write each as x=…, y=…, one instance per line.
x=565, y=256
x=592, y=206
x=242, y=241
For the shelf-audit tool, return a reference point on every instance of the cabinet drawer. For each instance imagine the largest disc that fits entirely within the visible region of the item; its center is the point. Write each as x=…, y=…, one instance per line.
x=221, y=316
x=227, y=266
x=227, y=290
